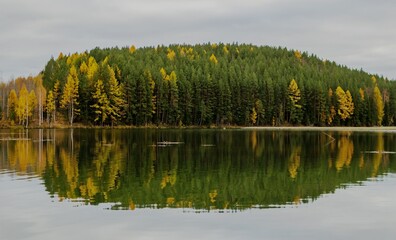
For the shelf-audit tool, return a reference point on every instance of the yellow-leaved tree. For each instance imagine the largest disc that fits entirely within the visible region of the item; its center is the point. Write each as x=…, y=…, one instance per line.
x=345, y=101
x=379, y=105
x=132, y=49
x=298, y=55
x=294, y=93
x=213, y=59
x=171, y=54
x=23, y=103
x=25, y=106
x=93, y=68
x=56, y=93
x=69, y=99
x=50, y=107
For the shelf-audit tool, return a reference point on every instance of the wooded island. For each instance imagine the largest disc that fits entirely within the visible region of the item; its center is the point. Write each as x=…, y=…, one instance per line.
x=198, y=85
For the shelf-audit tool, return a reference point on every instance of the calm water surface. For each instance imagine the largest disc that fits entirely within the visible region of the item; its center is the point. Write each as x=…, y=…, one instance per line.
x=197, y=184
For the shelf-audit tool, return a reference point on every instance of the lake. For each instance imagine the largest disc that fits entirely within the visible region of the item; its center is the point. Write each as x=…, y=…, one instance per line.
x=197, y=184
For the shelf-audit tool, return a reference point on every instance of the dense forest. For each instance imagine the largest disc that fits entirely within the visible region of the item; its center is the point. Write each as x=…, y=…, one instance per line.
x=198, y=85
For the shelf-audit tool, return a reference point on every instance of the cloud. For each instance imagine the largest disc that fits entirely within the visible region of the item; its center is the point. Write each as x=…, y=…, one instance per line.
x=354, y=33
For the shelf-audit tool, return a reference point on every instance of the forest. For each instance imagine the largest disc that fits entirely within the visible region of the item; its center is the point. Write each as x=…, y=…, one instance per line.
x=212, y=84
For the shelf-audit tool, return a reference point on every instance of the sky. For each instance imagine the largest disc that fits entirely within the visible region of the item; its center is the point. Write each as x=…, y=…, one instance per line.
x=356, y=33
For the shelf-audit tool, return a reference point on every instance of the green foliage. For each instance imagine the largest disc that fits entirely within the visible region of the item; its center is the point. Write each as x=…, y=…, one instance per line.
x=215, y=84
x=101, y=106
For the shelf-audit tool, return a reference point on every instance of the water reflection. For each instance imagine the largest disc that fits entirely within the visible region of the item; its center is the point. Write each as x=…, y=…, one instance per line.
x=198, y=169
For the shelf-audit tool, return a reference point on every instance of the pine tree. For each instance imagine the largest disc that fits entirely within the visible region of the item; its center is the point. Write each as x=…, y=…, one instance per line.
x=173, y=99
x=12, y=104
x=294, y=94
x=117, y=102
x=101, y=106
x=32, y=103
x=332, y=111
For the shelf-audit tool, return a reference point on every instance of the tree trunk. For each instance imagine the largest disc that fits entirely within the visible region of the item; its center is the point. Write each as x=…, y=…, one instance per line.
x=71, y=113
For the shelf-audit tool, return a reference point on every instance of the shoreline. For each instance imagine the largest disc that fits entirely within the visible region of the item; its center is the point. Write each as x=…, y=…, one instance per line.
x=335, y=128
x=264, y=128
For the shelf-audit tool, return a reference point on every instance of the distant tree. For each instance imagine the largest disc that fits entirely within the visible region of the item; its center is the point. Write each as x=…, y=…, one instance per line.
x=171, y=54
x=132, y=49
x=213, y=59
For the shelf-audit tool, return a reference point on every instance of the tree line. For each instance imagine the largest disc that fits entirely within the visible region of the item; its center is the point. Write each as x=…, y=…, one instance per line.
x=200, y=85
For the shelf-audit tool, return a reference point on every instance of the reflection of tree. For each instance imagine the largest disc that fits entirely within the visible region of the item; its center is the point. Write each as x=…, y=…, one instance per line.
x=377, y=160
x=124, y=167
x=68, y=166
x=105, y=168
x=25, y=151
x=345, y=152
x=294, y=161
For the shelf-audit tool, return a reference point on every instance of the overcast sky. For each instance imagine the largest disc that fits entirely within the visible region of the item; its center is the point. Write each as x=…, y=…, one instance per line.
x=356, y=33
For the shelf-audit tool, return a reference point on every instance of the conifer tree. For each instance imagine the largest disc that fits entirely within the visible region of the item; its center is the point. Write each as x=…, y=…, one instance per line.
x=70, y=95
x=101, y=104
x=32, y=103
x=379, y=105
x=12, y=104
x=56, y=94
x=50, y=107
x=173, y=99
x=346, y=106
x=294, y=94
x=116, y=101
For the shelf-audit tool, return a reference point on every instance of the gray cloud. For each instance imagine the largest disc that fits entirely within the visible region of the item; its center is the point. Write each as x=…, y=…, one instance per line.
x=355, y=33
